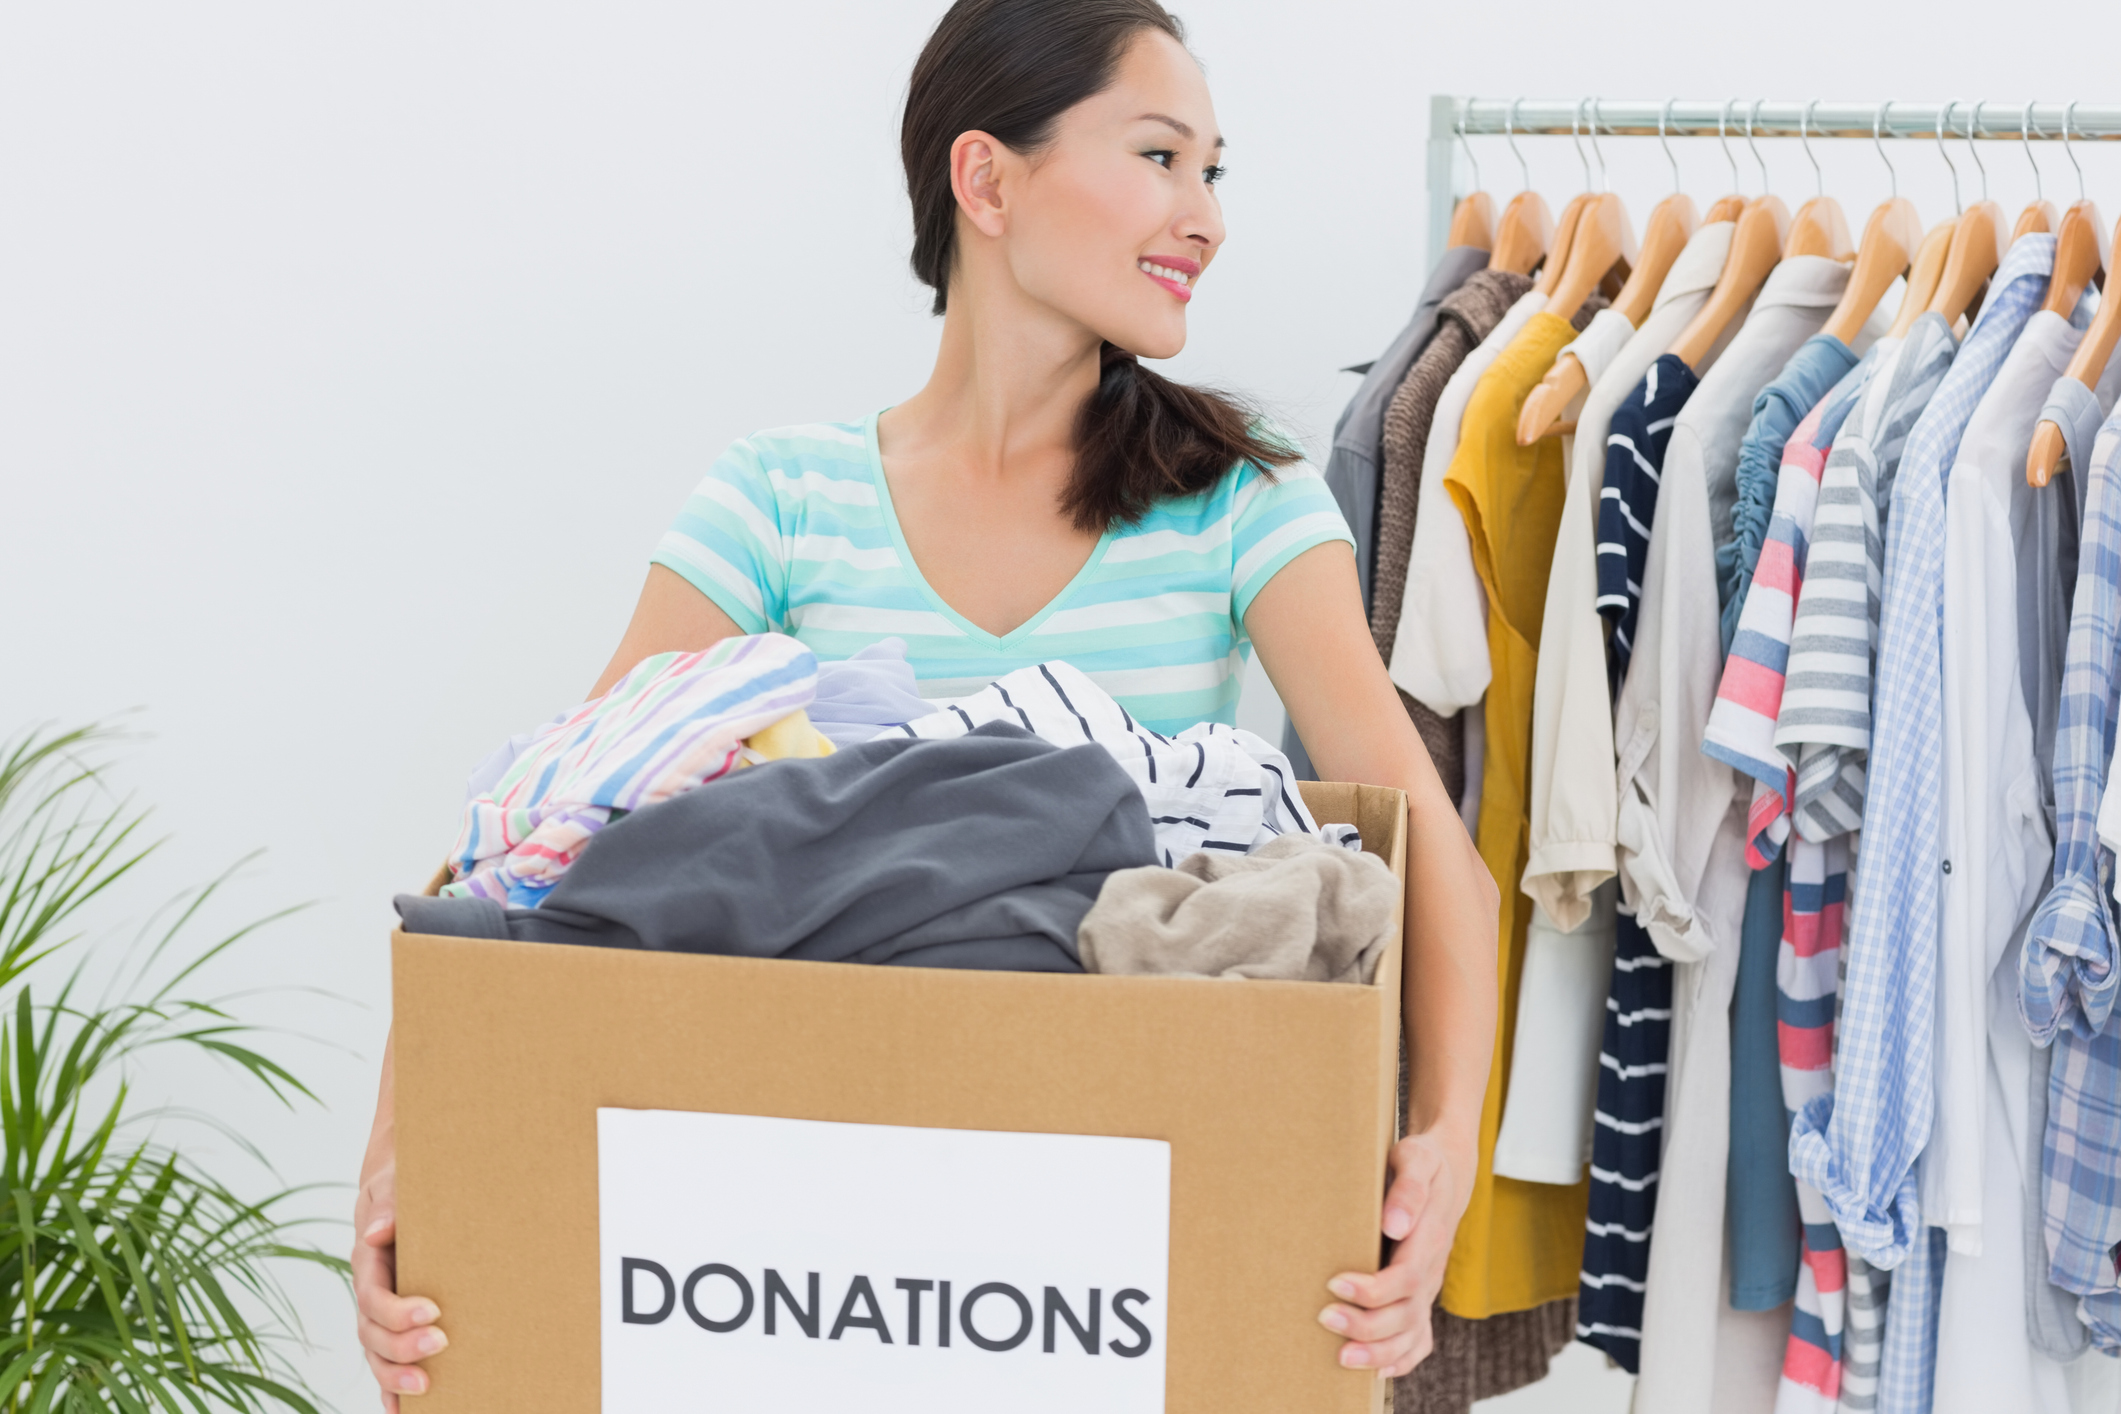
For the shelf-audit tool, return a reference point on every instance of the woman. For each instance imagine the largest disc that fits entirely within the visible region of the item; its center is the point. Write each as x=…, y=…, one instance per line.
x=1045, y=496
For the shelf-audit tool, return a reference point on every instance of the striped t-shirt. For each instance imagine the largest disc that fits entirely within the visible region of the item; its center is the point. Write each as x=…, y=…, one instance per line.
x=793, y=531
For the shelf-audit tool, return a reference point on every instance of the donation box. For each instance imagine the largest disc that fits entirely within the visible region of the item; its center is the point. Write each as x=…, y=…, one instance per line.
x=655, y=1183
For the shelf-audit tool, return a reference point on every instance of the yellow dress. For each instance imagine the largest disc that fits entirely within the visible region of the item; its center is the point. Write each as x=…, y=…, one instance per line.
x=1520, y=1244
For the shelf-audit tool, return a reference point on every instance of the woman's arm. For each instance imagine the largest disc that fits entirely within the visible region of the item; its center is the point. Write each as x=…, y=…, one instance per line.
x=1308, y=626
x=671, y=617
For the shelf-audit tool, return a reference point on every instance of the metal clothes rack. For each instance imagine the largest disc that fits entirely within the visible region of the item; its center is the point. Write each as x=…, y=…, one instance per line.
x=1451, y=117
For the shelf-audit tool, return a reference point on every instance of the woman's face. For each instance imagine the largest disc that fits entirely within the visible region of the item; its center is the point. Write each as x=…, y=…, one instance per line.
x=1115, y=222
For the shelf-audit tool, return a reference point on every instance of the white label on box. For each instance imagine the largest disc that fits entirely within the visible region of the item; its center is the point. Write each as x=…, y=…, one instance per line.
x=780, y=1266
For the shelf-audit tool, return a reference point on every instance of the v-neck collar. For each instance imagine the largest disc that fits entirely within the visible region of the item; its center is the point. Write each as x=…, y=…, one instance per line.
x=971, y=630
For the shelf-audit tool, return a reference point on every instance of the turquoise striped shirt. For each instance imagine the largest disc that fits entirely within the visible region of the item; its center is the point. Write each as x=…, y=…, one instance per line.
x=793, y=531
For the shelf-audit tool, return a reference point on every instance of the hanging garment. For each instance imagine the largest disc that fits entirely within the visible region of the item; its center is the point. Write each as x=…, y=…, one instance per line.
x=1514, y=1248
x=1760, y=1197
x=1824, y=726
x=1627, y=504
x=1356, y=461
x=1741, y=730
x=1995, y=827
x=1465, y=319
x=1475, y=1360
x=1546, y=1113
x=1561, y=1012
x=1210, y=787
x=1810, y=375
x=1790, y=1037
x=1572, y=709
x=1682, y=847
x=795, y=531
x=1861, y=1156
x=674, y=721
x=1627, y=1138
x=867, y=855
x=1986, y=1359
x=1440, y=655
x=2068, y=974
x=1295, y=909
x=1354, y=465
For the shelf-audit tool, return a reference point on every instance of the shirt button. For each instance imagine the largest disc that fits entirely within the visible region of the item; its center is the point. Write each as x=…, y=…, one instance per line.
x=1947, y=866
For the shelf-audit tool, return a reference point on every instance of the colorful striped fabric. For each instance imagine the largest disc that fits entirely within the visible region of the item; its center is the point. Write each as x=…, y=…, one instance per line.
x=794, y=531
x=1806, y=978
x=1741, y=730
x=675, y=721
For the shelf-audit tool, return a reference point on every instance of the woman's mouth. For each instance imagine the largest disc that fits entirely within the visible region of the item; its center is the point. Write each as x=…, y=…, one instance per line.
x=1174, y=273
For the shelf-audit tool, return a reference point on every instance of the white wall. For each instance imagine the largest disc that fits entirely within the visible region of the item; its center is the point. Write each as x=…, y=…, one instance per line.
x=352, y=358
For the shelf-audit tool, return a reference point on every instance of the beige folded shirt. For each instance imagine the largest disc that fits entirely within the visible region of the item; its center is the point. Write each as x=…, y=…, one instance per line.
x=1295, y=909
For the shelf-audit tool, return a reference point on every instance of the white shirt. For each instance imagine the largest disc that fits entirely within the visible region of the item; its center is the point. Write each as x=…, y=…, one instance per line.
x=1440, y=658
x=1996, y=841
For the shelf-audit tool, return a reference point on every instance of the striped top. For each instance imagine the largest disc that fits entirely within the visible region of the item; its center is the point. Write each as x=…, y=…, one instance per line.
x=793, y=531
x=1634, y=459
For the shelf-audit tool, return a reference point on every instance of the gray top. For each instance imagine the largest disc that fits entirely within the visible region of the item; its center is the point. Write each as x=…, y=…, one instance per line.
x=1358, y=437
x=980, y=852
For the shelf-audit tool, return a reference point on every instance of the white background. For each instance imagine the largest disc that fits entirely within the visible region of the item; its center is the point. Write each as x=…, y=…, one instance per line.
x=352, y=358
x=1069, y=1211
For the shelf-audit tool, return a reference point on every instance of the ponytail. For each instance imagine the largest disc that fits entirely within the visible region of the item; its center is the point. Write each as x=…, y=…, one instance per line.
x=1011, y=68
x=1141, y=438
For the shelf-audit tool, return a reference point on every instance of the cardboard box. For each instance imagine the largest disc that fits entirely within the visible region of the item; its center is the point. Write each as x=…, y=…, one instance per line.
x=1276, y=1099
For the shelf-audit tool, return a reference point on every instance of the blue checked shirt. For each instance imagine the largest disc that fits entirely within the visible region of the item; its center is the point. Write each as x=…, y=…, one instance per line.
x=1860, y=1147
x=2067, y=976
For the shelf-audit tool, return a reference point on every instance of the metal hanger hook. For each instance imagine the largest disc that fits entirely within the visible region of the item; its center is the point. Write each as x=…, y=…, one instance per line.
x=1804, y=120
x=1958, y=206
x=1752, y=115
x=1973, y=126
x=1509, y=135
x=1469, y=148
x=1878, y=141
x=2025, y=136
x=1723, y=112
x=2067, y=113
x=1596, y=150
x=1664, y=118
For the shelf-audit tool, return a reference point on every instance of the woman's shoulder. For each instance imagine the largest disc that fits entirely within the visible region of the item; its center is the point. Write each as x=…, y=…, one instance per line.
x=819, y=445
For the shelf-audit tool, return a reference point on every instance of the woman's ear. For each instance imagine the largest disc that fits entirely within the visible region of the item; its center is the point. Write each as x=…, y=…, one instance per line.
x=976, y=162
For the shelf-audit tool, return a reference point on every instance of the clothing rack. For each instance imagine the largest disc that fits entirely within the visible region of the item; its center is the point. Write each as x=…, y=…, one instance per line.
x=1452, y=117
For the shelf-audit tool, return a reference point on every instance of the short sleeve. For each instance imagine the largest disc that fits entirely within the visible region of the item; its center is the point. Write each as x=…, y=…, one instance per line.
x=1274, y=521
x=727, y=541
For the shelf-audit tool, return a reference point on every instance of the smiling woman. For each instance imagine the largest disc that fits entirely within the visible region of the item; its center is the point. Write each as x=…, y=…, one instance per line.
x=1047, y=498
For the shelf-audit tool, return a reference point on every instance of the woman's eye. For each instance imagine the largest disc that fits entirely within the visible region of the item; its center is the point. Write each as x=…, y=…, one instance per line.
x=1162, y=157
x=1212, y=175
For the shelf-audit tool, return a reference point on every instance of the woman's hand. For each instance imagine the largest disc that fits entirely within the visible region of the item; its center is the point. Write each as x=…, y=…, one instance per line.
x=1385, y=1315
x=395, y=1330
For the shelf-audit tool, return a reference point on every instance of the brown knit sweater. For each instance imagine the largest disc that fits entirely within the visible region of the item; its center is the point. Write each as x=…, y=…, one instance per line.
x=1468, y=315
x=1482, y=1359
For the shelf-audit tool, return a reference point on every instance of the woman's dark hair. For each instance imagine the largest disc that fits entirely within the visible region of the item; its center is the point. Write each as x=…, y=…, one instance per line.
x=1010, y=68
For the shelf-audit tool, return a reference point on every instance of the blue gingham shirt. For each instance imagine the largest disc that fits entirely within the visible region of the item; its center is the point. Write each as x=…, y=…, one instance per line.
x=1859, y=1151
x=2067, y=976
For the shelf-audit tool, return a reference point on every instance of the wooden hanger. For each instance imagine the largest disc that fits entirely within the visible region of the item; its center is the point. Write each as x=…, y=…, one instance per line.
x=1473, y=222
x=1728, y=208
x=1924, y=275
x=2080, y=253
x=1756, y=248
x=1819, y=228
x=2037, y=218
x=1977, y=249
x=1521, y=236
x=2090, y=361
x=1604, y=240
x=1564, y=238
x=1890, y=239
x=1671, y=227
